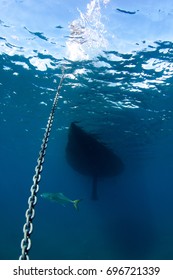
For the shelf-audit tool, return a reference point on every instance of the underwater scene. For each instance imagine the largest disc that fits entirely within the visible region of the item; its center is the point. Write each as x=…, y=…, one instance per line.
x=106, y=188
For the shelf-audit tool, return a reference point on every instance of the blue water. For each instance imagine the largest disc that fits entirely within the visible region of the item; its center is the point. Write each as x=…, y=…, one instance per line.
x=121, y=90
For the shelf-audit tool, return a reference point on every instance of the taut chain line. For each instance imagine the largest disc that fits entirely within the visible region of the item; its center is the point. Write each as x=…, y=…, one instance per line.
x=30, y=212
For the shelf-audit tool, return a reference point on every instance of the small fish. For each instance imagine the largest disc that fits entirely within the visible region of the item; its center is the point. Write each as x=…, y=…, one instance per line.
x=60, y=198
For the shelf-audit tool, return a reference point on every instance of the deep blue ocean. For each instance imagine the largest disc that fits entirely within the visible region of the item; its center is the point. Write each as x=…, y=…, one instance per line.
x=118, y=64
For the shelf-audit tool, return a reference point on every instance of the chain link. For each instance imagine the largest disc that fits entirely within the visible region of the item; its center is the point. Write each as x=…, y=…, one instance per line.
x=32, y=200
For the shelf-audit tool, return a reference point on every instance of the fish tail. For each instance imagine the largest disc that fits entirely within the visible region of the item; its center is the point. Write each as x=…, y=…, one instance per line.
x=75, y=203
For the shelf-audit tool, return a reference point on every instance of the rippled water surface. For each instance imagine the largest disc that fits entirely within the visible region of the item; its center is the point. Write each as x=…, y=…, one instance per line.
x=117, y=57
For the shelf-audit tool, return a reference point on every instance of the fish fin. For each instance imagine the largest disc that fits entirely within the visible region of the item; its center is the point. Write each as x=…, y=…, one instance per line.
x=75, y=203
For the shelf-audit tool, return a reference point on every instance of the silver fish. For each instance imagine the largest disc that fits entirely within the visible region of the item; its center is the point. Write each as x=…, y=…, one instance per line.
x=61, y=198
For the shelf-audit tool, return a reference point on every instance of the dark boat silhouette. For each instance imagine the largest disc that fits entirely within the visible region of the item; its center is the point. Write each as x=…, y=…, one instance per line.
x=88, y=156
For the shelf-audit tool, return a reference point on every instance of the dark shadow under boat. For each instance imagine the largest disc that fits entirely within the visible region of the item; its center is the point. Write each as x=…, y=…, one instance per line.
x=88, y=156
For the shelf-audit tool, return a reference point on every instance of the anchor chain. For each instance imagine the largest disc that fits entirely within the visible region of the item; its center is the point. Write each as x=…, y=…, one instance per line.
x=30, y=212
